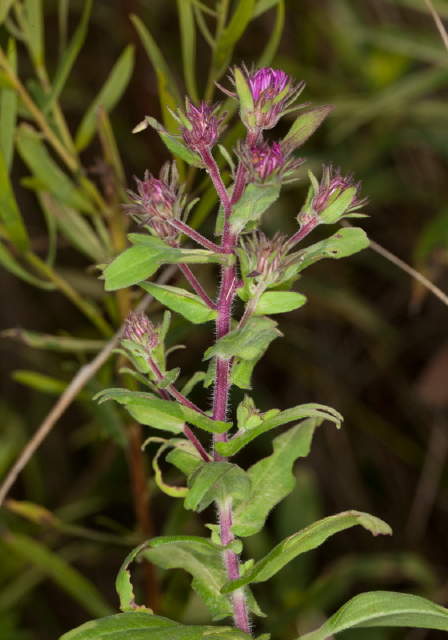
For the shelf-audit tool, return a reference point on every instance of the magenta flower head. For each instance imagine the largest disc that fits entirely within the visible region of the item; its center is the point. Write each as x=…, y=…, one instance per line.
x=265, y=162
x=335, y=197
x=200, y=127
x=264, y=95
x=158, y=201
x=140, y=330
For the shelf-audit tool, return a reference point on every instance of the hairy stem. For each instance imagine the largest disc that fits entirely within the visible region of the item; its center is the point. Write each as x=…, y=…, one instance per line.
x=196, y=285
x=302, y=232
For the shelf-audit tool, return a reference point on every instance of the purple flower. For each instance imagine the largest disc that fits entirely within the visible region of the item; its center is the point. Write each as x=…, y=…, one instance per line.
x=140, y=330
x=200, y=127
x=264, y=95
x=158, y=201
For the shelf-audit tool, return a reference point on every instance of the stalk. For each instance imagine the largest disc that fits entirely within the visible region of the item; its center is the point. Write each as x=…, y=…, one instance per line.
x=221, y=392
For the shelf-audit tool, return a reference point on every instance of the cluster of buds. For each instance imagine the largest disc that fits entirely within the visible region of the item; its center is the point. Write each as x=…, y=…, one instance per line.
x=264, y=95
x=158, y=201
x=265, y=162
x=335, y=197
x=200, y=127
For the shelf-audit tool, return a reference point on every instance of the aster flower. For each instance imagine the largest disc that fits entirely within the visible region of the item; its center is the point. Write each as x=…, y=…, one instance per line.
x=200, y=127
x=335, y=197
x=141, y=331
x=264, y=259
x=158, y=201
x=266, y=161
x=264, y=95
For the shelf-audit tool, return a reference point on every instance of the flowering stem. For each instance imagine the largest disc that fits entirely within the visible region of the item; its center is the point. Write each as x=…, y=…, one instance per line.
x=194, y=235
x=222, y=387
x=240, y=180
x=302, y=232
x=196, y=285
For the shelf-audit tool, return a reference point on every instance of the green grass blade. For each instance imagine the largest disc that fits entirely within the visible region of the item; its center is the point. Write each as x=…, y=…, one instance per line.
x=5, y=7
x=8, y=110
x=230, y=36
x=68, y=579
x=188, y=42
x=69, y=57
x=108, y=96
x=10, y=213
x=264, y=5
x=11, y=265
x=274, y=39
x=35, y=31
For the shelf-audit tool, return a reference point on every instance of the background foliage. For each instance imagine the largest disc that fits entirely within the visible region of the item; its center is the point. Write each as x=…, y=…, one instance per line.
x=369, y=342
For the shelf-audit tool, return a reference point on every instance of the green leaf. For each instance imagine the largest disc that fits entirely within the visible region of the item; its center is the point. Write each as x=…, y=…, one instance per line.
x=273, y=42
x=39, y=381
x=124, y=586
x=191, y=306
x=62, y=344
x=8, y=112
x=230, y=36
x=170, y=490
x=272, y=478
x=278, y=302
x=383, y=609
x=185, y=457
x=147, y=402
x=137, y=625
x=204, y=563
x=69, y=57
x=248, y=342
x=66, y=577
x=140, y=261
x=310, y=410
x=216, y=481
x=306, y=540
x=304, y=126
x=47, y=172
x=172, y=142
x=11, y=265
x=10, y=214
x=35, y=31
x=188, y=42
x=264, y=5
x=5, y=6
x=108, y=96
x=253, y=203
x=341, y=244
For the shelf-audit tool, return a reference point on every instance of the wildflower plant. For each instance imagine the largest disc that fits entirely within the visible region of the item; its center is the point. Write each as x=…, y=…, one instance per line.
x=259, y=271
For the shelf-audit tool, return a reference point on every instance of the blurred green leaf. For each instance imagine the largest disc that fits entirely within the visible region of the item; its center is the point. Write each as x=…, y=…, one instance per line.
x=216, y=481
x=11, y=265
x=191, y=306
x=66, y=577
x=49, y=176
x=264, y=5
x=306, y=540
x=272, y=478
x=272, y=44
x=8, y=111
x=230, y=36
x=188, y=41
x=35, y=30
x=69, y=57
x=10, y=214
x=383, y=609
x=5, y=6
x=278, y=302
x=39, y=381
x=109, y=95
x=149, y=402
x=63, y=344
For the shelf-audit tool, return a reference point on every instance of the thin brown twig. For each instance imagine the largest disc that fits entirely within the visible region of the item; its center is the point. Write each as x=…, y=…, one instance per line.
x=439, y=23
x=85, y=373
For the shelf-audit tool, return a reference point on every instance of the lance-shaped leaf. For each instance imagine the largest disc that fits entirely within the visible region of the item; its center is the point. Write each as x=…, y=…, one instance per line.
x=216, y=481
x=341, y=244
x=170, y=490
x=383, y=609
x=310, y=410
x=10, y=215
x=272, y=478
x=248, y=342
x=48, y=174
x=278, y=302
x=139, y=625
x=8, y=112
x=230, y=36
x=303, y=127
x=191, y=306
x=143, y=259
x=256, y=199
x=305, y=540
x=148, y=403
x=173, y=143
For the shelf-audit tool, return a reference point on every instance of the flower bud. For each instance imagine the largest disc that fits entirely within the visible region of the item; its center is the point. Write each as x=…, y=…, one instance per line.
x=264, y=95
x=200, y=127
x=157, y=202
x=265, y=162
x=141, y=331
x=265, y=257
x=335, y=197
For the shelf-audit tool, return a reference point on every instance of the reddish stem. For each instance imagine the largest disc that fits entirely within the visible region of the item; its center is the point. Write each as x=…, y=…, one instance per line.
x=195, y=235
x=302, y=232
x=196, y=285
